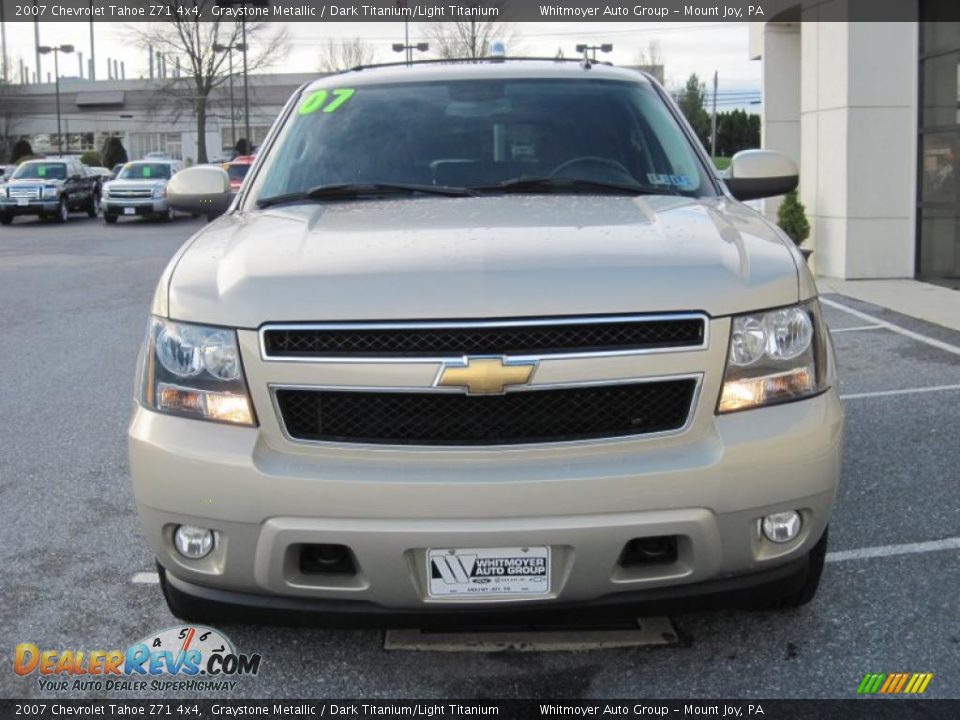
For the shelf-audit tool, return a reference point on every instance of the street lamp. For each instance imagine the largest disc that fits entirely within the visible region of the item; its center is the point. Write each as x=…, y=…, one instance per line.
x=217, y=47
x=584, y=48
x=242, y=46
x=401, y=47
x=56, y=50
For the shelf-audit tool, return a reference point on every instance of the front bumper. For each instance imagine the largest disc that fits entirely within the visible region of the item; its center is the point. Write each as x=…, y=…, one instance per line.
x=708, y=486
x=33, y=207
x=114, y=206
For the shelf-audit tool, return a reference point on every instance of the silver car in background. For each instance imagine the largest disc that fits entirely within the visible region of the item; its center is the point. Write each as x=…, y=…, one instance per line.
x=140, y=189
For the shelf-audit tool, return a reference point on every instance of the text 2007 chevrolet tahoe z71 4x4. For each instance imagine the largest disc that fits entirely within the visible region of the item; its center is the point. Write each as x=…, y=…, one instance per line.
x=485, y=337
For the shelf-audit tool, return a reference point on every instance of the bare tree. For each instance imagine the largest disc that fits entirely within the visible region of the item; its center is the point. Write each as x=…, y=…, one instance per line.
x=187, y=40
x=9, y=118
x=651, y=59
x=337, y=55
x=472, y=38
x=650, y=55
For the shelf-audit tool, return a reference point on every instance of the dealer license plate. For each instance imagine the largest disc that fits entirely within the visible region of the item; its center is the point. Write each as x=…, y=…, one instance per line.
x=129, y=211
x=23, y=201
x=488, y=571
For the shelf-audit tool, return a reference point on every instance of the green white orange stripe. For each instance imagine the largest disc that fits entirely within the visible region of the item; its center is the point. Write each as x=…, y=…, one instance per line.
x=894, y=683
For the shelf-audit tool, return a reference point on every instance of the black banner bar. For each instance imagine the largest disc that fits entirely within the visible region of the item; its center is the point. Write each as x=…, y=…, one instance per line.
x=858, y=709
x=461, y=10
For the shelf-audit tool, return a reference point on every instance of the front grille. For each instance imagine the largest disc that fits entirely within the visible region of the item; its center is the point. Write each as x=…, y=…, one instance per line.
x=131, y=194
x=24, y=192
x=435, y=418
x=485, y=338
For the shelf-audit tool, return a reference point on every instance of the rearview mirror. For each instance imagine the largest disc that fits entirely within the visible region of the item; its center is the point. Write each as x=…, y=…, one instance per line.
x=202, y=190
x=760, y=174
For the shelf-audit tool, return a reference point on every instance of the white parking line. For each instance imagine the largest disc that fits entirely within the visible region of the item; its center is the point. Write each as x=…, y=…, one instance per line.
x=905, y=391
x=890, y=550
x=146, y=578
x=933, y=342
x=858, y=327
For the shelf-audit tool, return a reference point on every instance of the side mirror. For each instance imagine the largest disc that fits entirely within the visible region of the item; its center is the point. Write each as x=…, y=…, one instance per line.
x=201, y=190
x=760, y=174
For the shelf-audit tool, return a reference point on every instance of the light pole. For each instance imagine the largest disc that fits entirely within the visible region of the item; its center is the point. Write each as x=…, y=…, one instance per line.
x=585, y=49
x=242, y=46
x=3, y=42
x=401, y=47
x=56, y=50
x=217, y=47
x=246, y=96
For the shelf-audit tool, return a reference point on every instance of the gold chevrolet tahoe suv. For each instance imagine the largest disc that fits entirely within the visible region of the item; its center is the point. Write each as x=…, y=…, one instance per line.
x=485, y=338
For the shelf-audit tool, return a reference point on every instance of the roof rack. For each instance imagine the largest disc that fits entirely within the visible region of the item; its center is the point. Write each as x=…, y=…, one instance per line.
x=471, y=61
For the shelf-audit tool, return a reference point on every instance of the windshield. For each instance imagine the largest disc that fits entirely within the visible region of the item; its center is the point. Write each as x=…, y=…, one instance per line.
x=237, y=172
x=41, y=171
x=145, y=171
x=470, y=133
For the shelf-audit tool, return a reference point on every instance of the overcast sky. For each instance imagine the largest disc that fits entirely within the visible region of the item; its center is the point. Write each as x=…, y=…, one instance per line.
x=685, y=47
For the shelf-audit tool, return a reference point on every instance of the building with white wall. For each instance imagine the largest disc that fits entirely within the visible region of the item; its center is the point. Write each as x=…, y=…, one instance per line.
x=147, y=114
x=870, y=111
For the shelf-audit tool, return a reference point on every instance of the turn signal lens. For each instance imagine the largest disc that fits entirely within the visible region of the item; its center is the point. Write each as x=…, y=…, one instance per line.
x=224, y=407
x=749, y=392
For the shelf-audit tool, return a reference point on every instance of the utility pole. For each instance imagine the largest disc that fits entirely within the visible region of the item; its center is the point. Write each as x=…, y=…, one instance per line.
x=713, y=120
x=3, y=42
x=93, y=57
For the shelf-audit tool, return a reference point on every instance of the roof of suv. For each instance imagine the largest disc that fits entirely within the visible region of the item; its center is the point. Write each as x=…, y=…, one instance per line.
x=425, y=71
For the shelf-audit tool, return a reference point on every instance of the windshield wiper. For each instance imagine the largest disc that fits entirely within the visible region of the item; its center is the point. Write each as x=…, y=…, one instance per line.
x=549, y=184
x=360, y=190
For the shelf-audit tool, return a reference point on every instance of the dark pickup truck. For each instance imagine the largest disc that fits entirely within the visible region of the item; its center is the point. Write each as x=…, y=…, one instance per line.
x=51, y=189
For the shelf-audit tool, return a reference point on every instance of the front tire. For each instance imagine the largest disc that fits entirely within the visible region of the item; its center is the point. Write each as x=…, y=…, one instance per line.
x=6, y=219
x=109, y=219
x=63, y=212
x=190, y=608
x=93, y=207
x=811, y=580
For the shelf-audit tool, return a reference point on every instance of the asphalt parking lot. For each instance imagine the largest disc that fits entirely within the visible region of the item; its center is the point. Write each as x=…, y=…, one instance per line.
x=73, y=305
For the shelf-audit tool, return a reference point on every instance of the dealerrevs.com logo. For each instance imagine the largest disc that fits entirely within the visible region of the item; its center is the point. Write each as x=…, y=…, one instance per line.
x=190, y=657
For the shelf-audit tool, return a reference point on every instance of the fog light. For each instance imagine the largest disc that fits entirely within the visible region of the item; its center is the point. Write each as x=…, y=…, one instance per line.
x=782, y=527
x=193, y=542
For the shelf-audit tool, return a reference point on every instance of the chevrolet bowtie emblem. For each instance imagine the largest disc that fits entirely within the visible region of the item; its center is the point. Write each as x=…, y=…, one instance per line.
x=485, y=376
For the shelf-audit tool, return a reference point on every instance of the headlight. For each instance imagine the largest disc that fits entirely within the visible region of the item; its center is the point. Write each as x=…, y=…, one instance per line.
x=160, y=191
x=194, y=370
x=775, y=357
x=50, y=192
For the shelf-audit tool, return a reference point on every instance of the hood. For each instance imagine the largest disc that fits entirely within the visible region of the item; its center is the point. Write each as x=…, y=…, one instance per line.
x=33, y=182
x=135, y=183
x=501, y=256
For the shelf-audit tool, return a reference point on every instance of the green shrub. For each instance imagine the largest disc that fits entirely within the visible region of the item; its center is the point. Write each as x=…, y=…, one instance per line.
x=91, y=158
x=792, y=218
